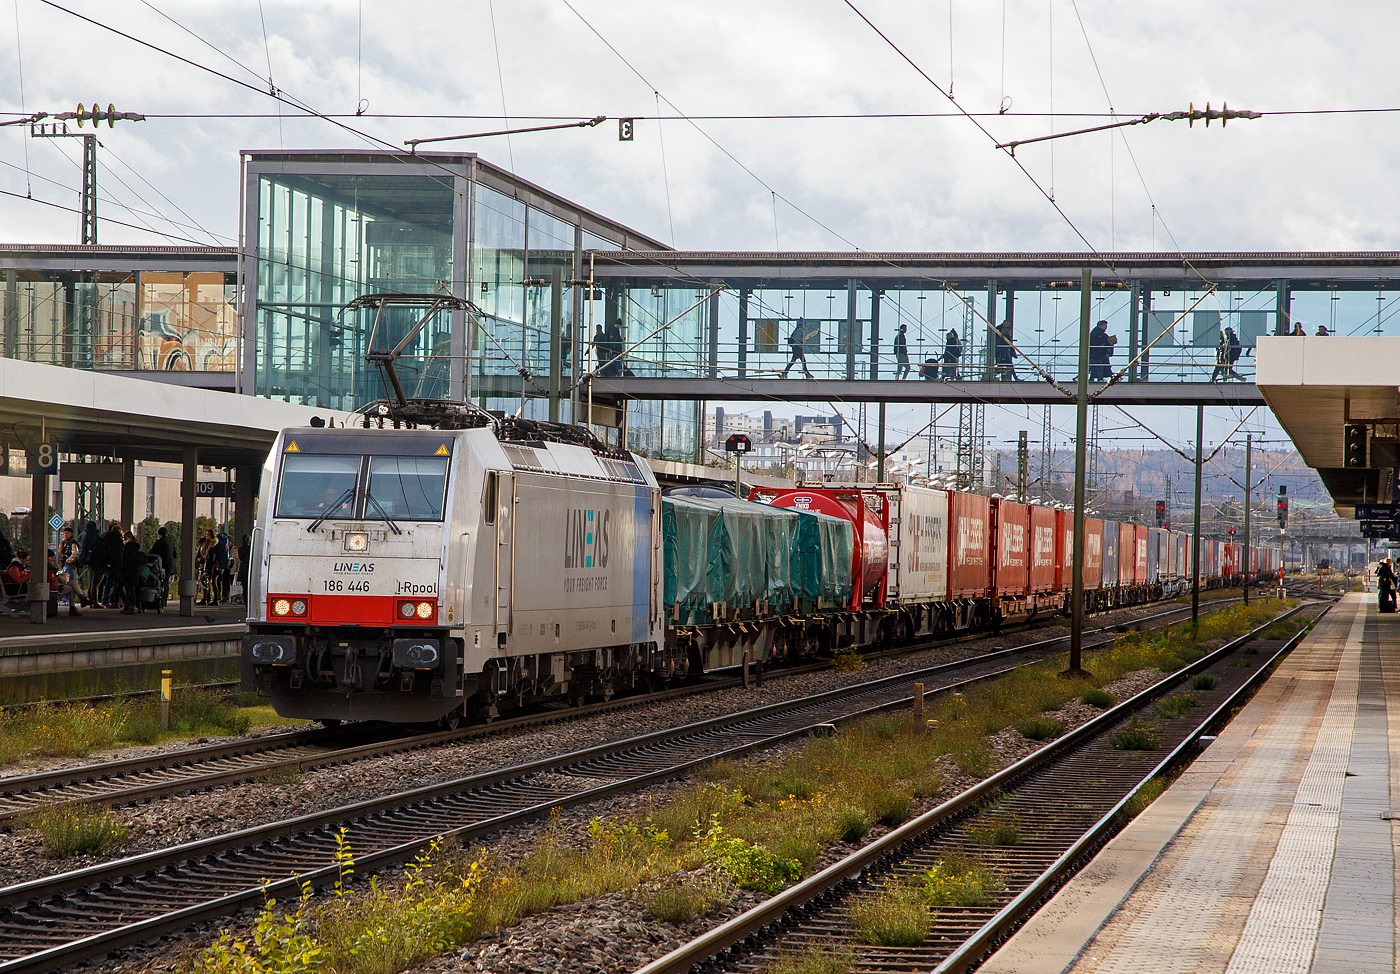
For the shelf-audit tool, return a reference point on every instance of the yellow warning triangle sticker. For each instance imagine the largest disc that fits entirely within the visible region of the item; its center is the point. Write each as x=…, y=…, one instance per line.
x=292, y=447
x=442, y=451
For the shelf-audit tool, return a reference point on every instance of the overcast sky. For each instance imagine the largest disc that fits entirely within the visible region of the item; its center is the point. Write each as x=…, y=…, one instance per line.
x=1281, y=182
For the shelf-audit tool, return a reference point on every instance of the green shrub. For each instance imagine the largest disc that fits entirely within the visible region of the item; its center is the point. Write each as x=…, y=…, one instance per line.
x=1205, y=681
x=1137, y=737
x=1175, y=706
x=1094, y=697
x=1039, y=729
x=896, y=916
x=78, y=830
x=1144, y=796
x=798, y=849
x=751, y=866
x=195, y=711
x=959, y=880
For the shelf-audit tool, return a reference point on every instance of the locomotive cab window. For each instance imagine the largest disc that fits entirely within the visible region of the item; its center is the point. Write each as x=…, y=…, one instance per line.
x=318, y=486
x=406, y=488
x=489, y=497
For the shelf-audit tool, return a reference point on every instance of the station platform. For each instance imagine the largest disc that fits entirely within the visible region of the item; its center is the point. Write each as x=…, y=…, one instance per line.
x=1274, y=853
x=103, y=651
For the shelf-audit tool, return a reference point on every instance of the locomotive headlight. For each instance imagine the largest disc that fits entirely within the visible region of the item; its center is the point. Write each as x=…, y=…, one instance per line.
x=425, y=610
x=406, y=610
x=282, y=607
x=356, y=541
x=298, y=607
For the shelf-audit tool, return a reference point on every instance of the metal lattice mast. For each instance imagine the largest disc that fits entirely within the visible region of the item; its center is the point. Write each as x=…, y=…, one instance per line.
x=1046, y=452
x=1093, y=477
x=1023, y=464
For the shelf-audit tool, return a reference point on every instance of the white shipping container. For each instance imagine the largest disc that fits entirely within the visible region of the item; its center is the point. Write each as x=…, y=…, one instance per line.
x=919, y=568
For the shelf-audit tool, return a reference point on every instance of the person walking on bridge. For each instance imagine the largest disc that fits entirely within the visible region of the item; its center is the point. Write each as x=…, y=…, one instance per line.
x=1100, y=352
x=797, y=341
x=901, y=353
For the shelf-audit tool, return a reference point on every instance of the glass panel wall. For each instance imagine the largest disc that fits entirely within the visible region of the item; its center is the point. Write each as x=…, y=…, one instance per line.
x=327, y=239
x=499, y=263
x=180, y=321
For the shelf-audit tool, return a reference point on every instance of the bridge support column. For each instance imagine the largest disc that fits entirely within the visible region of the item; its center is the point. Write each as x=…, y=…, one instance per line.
x=188, y=489
x=743, y=332
x=38, y=547
x=129, y=496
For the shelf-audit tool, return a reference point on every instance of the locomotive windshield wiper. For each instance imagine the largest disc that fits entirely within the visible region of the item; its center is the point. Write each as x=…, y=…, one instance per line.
x=345, y=495
x=383, y=513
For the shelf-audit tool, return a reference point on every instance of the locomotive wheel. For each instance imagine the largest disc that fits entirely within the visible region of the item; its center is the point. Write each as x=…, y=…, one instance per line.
x=451, y=721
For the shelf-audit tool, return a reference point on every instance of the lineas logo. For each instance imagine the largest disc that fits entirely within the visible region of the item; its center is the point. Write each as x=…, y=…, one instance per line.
x=586, y=538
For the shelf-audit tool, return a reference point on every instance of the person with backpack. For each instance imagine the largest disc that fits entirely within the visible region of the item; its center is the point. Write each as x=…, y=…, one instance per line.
x=223, y=567
x=797, y=341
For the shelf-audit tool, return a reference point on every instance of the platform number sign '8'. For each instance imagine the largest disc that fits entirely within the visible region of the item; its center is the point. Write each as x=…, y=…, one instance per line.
x=43, y=459
x=625, y=128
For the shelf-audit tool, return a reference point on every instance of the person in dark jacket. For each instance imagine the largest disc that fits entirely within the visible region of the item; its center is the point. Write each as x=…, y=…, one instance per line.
x=92, y=554
x=901, y=352
x=162, y=550
x=1233, y=350
x=132, y=558
x=113, y=542
x=952, y=355
x=797, y=342
x=1100, y=352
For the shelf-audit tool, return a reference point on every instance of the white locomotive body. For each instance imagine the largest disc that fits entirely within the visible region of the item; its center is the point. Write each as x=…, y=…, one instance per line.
x=417, y=575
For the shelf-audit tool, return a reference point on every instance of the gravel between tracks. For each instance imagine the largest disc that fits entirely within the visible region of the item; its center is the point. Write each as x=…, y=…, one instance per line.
x=171, y=820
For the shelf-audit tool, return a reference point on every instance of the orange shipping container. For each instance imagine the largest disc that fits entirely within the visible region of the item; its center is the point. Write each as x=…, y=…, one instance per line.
x=1141, y=539
x=1012, y=523
x=1127, y=552
x=1093, y=553
x=1044, y=564
x=969, y=545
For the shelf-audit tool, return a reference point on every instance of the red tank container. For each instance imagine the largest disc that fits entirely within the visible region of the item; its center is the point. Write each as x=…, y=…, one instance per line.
x=1044, y=563
x=1011, y=528
x=969, y=545
x=870, y=566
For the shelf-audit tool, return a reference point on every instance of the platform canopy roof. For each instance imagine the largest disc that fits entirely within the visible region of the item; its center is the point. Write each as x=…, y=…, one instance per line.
x=1316, y=386
x=93, y=413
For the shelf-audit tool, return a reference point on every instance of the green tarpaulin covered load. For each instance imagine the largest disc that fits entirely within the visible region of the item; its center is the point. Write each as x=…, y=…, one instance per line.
x=748, y=556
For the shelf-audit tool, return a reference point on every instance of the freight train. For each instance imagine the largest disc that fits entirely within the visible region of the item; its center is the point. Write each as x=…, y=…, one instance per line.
x=433, y=575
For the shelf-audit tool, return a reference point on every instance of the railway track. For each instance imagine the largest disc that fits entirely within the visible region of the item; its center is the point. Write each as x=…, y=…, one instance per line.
x=1065, y=801
x=54, y=922
x=134, y=780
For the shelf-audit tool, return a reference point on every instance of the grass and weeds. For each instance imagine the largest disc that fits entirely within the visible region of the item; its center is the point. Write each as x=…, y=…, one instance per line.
x=1177, y=705
x=959, y=880
x=821, y=959
x=847, y=660
x=1145, y=796
x=896, y=915
x=996, y=832
x=1204, y=681
x=681, y=901
x=757, y=826
x=1094, y=697
x=1137, y=737
x=78, y=729
x=77, y=830
x=278, y=775
x=1039, y=729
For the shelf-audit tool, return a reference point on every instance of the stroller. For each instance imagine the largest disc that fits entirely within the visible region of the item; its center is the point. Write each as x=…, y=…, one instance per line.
x=152, y=587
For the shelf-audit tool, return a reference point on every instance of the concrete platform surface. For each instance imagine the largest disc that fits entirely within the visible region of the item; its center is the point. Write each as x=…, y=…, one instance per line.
x=1273, y=852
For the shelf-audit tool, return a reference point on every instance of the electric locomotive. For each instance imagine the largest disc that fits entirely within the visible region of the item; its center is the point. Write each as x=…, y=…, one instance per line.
x=419, y=575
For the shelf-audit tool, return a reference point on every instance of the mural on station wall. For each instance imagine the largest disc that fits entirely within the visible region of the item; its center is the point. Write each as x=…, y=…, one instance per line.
x=188, y=323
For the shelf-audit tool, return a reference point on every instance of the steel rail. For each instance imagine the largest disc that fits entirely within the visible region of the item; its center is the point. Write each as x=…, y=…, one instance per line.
x=292, y=845
x=975, y=949
x=750, y=926
x=101, y=782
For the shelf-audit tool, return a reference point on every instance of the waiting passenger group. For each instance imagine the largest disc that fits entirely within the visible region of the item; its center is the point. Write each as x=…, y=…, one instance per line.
x=109, y=569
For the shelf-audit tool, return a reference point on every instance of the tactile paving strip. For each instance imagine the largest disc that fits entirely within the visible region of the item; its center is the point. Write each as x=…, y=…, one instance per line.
x=1281, y=933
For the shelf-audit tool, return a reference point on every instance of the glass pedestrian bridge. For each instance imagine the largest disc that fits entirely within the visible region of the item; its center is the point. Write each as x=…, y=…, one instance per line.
x=919, y=326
